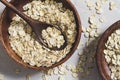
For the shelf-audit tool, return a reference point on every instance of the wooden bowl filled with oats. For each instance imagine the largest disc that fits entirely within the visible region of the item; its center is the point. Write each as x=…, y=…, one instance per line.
x=108, y=53
x=21, y=43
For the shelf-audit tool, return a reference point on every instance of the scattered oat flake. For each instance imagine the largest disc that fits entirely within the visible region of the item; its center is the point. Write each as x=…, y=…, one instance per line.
x=112, y=5
x=104, y=1
x=90, y=5
x=101, y=20
x=98, y=3
x=99, y=11
x=92, y=19
x=55, y=71
x=88, y=29
x=46, y=77
x=68, y=67
x=86, y=35
x=79, y=45
x=74, y=69
x=80, y=53
x=61, y=72
x=50, y=72
x=28, y=77
x=75, y=75
x=83, y=29
x=61, y=78
x=17, y=71
x=1, y=77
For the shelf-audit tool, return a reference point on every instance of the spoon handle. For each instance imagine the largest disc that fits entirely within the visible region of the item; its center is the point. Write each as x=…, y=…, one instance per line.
x=22, y=15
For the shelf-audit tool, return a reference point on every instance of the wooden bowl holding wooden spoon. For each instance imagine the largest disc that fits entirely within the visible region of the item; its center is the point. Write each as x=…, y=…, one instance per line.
x=101, y=61
x=6, y=18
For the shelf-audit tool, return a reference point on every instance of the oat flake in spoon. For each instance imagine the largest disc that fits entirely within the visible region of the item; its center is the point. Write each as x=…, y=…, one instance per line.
x=53, y=37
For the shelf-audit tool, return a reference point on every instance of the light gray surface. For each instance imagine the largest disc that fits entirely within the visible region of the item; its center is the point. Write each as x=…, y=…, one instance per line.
x=8, y=66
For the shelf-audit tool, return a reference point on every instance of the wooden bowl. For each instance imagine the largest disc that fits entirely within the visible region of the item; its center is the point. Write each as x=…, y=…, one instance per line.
x=101, y=62
x=5, y=23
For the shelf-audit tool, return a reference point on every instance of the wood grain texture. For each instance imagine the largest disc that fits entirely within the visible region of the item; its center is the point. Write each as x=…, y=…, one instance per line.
x=5, y=20
x=101, y=62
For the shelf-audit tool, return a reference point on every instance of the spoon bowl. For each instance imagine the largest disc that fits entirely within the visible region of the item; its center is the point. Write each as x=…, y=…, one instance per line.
x=37, y=26
x=101, y=62
x=6, y=19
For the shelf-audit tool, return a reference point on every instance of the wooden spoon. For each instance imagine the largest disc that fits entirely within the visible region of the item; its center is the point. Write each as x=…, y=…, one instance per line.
x=101, y=62
x=37, y=26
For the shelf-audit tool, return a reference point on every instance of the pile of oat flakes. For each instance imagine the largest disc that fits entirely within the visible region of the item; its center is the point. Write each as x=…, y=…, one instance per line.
x=24, y=42
x=112, y=54
x=53, y=37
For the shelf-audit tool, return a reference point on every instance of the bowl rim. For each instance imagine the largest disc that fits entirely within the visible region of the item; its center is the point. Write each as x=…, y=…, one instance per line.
x=78, y=36
x=101, y=62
